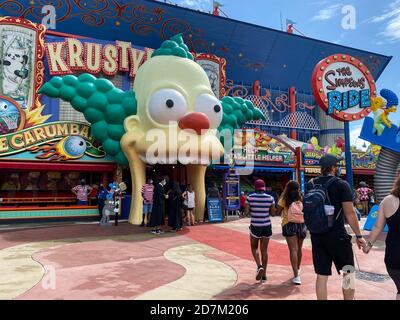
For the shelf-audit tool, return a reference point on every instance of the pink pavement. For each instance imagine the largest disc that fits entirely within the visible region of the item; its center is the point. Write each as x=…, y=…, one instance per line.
x=107, y=265
x=237, y=244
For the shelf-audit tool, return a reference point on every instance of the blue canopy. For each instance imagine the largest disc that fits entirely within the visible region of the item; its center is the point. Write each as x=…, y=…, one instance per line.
x=276, y=58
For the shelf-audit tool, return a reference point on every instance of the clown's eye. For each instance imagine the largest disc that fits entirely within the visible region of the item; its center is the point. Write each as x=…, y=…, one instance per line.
x=167, y=105
x=211, y=107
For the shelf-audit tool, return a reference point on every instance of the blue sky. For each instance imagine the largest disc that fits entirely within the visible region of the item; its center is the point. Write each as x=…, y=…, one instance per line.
x=377, y=28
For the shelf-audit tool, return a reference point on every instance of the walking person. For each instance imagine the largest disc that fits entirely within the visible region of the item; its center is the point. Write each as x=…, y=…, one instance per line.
x=293, y=227
x=82, y=192
x=101, y=198
x=175, y=207
x=260, y=205
x=389, y=213
x=157, y=211
x=325, y=220
x=190, y=203
x=147, y=195
x=364, y=194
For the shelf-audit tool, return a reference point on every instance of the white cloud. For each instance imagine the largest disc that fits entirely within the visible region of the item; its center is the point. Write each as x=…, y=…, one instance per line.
x=391, y=18
x=355, y=131
x=327, y=13
x=203, y=5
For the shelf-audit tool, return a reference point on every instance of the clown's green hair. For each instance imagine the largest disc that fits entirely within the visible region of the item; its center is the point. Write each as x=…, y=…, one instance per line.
x=174, y=47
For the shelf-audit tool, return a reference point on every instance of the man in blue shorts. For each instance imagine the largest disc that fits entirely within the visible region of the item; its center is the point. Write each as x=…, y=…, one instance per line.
x=147, y=194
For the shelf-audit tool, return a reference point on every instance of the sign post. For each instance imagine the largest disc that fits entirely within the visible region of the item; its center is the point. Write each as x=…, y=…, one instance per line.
x=343, y=87
x=348, y=157
x=231, y=190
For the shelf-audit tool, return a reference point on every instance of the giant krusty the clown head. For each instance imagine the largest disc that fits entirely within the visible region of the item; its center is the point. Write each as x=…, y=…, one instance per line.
x=171, y=116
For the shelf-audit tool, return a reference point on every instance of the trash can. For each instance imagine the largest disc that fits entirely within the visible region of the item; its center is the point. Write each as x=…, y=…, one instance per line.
x=126, y=206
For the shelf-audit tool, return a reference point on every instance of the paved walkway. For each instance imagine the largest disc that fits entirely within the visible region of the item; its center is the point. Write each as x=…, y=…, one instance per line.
x=208, y=261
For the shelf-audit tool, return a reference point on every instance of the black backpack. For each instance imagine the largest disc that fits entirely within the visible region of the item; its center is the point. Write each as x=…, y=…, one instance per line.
x=314, y=203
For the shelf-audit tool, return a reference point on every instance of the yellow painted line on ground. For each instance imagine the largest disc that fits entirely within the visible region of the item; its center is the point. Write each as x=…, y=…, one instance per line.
x=204, y=277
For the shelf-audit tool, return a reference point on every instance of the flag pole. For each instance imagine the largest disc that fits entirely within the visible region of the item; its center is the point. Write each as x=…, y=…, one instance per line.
x=281, y=20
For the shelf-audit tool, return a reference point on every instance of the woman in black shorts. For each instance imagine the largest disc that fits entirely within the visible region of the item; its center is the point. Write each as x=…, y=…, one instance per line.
x=389, y=213
x=294, y=232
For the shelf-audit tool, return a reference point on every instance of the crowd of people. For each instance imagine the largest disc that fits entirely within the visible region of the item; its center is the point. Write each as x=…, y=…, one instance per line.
x=161, y=200
x=165, y=199
x=331, y=243
x=102, y=196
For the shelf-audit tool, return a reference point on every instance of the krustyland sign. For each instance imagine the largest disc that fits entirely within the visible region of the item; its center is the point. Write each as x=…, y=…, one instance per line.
x=72, y=55
x=343, y=86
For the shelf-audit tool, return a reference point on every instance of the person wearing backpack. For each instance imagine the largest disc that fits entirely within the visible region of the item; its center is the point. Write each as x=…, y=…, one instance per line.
x=294, y=230
x=327, y=202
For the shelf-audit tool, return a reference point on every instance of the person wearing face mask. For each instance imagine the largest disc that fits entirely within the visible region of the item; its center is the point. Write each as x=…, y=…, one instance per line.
x=157, y=211
x=82, y=192
x=147, y=194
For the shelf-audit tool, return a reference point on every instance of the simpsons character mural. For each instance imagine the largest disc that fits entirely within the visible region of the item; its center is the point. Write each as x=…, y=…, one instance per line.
x=171, y=96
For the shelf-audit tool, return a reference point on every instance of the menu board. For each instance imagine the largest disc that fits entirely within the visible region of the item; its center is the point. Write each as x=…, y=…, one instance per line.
x=232, y=191
x=214, y=208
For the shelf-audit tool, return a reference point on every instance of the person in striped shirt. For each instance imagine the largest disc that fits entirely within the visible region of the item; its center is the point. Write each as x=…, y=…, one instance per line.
x=260, y=205
x=147, y=194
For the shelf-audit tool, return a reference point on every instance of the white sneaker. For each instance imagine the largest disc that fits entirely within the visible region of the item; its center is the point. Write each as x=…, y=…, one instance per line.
x=296, y=280
x=259, y=272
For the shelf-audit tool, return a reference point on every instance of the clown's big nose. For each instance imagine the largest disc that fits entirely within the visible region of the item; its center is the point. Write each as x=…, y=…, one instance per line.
x=196, y=121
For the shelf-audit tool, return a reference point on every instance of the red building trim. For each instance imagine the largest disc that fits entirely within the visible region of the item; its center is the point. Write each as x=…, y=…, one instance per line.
x=64, y=35
x=50, y=166
x=364, y=172
x=47, y=208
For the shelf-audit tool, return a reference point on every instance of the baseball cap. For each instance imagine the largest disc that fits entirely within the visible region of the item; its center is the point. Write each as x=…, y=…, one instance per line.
x=259, y=185
x=329, y=160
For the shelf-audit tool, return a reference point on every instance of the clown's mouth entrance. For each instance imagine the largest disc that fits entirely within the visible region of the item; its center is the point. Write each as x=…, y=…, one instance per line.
x=175, y=172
